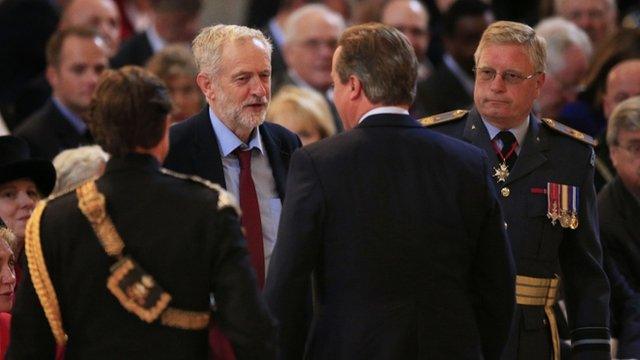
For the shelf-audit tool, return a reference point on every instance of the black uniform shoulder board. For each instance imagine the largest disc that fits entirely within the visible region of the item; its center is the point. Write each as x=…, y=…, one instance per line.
x=225, y=198
x=443, y=118
x=564, y=129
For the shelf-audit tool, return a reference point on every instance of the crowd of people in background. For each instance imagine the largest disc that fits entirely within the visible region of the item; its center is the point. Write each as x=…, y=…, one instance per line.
x=290, y=65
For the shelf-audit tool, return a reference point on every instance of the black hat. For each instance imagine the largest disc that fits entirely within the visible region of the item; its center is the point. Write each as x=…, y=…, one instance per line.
x=16, y=163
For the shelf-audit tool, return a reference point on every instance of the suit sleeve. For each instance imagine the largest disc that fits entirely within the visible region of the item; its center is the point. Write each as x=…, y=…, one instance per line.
x=242, y=314
x=295, y=256
x=586, y=285
x=493, y=277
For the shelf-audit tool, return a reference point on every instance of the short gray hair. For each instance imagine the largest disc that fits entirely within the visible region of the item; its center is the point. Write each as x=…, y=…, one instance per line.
x=209, y=44
x=75, y=166
x=625, y=116
x=297, y=17
x=561, y=34
x=509, y=32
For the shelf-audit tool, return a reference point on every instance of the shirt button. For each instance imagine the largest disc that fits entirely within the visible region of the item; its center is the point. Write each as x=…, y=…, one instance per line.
x=505, y=191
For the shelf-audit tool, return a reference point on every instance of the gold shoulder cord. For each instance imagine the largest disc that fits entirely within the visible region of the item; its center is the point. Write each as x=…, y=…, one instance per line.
x=92, y=203
x=40, y=276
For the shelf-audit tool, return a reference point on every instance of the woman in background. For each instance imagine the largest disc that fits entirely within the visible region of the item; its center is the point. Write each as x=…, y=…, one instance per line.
x=302, y=111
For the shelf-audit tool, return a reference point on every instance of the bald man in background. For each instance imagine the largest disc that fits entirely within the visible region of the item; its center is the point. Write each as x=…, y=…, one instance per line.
x=101, y=15
x=412, y=19
x=623, y=82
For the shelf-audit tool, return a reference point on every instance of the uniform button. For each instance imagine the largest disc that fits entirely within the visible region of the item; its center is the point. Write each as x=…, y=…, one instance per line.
x=505, y=191
x=505, y=225
x=544, y=321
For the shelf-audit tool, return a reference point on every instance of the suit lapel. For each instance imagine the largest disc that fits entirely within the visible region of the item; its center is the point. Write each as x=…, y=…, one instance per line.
x=274, y=153
x=532, y=154
x=207, y=159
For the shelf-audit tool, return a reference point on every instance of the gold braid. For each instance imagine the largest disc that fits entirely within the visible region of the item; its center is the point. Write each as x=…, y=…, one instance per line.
x=40, y=276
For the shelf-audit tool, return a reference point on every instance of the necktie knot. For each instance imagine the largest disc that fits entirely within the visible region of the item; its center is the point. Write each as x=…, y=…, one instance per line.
x=244, y=156
x=507, y=138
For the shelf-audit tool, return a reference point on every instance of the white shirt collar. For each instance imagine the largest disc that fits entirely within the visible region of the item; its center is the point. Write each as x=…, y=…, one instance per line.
x=384, y=110
x=157, y=43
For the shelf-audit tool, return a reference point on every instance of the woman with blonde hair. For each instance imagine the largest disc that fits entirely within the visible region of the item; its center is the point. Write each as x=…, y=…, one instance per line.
x=303, y=111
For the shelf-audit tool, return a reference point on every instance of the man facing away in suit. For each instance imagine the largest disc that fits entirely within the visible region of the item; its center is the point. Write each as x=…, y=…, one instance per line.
x=399, y=225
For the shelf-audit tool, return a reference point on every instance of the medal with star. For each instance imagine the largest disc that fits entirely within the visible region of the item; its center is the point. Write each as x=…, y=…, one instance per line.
x=501, y=172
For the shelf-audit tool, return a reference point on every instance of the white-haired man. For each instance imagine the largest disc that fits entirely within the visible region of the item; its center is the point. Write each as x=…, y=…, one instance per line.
x=568, y=54
x=311, y=35
x=228, y=142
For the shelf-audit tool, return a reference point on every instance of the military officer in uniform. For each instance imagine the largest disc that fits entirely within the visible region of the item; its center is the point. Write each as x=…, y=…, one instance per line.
x=544, y=176
x=123, y=267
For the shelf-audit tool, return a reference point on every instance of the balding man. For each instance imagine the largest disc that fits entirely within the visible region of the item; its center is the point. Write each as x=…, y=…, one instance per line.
x=102, y=15
x=623, y=82
x=596, y=17
x=568, y=54
x=311, y=34
x=412, y=19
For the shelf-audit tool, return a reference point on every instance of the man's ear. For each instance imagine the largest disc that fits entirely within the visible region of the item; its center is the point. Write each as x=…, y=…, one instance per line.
x=355, y=87
x=206, y=85
x=52, y=76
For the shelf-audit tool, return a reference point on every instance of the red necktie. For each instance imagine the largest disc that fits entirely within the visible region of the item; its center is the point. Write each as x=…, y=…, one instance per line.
x=251, y=215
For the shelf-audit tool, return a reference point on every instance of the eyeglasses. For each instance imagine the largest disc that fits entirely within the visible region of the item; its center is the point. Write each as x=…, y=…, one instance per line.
x=509, y=77
x=633, y=149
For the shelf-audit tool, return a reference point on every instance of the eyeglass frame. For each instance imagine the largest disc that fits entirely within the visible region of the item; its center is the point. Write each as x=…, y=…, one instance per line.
x=630, y=148
x=520, y=77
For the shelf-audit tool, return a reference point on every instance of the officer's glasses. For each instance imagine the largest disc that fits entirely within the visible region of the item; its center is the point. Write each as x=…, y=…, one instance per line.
x=632, y=148
x=510, y=77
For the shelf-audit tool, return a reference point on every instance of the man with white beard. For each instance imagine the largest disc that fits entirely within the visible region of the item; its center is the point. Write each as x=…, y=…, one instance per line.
x=228, y=142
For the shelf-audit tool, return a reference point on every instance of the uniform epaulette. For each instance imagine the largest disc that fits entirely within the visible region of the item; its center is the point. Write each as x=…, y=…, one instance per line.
x=444, y=117
x=225, y=198
x=564, y=129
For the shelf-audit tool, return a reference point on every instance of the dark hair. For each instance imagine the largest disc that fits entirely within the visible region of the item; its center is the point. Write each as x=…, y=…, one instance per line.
x=188, y=6
x=128, y=110
x=382, y=59
x=460, y=9
x=56, y=41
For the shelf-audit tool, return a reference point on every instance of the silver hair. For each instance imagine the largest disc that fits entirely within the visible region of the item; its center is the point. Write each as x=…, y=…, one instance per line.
x=209, y=44
x=625, y=116
x=560, y=35
x=299, y=16
x=75, y=166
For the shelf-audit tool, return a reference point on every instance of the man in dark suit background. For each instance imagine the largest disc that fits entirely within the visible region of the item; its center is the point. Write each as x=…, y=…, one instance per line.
x=544, y=172
x=75, y=59
x=450, y=86
x=235, y=69
x=172, y=21
x=399, y=225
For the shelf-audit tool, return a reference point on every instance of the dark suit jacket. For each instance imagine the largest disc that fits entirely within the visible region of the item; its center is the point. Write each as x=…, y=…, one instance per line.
x=403, y=230
x=180, y=234
x=194, y=150
x=620, y=229
x=440, y=92
x=48, y=133
x=135, y=51
x=542, y=249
